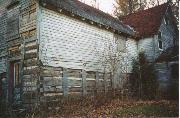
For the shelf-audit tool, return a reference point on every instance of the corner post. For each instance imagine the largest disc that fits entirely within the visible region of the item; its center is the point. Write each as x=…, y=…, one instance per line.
x=65, y=82
x=84, y=84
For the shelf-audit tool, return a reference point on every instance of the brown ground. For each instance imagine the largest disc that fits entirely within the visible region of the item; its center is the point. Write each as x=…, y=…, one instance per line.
x=100, y=107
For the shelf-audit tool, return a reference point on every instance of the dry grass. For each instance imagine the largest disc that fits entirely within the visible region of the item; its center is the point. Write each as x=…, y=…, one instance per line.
x=105, y=106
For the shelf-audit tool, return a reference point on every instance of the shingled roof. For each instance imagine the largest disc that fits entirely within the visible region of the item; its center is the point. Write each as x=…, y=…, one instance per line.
x=146, y=22
x=80, y=9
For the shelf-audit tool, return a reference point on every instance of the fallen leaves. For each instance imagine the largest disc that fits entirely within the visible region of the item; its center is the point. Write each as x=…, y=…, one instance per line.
x=108, y=107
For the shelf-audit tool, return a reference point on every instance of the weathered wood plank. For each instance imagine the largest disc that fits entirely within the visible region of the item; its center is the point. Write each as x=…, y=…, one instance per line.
x=91, y=75
x=52, y=89
x=29, y=88
x=75, y=89
x=51, y=81
x=74, y=82
x=30, y=62
x=74, y=73
x=30, y=55
x=31, y=71
x=31, y=47
x=51, y=73
x=91, y=83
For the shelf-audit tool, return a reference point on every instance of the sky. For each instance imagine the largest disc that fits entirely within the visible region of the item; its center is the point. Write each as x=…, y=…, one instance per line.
x=108, y=5
x=105, y=5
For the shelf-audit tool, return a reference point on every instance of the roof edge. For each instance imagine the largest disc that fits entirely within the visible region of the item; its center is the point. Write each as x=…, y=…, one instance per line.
x=130, y=31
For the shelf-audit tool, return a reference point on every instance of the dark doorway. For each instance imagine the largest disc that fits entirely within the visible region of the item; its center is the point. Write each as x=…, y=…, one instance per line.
x=15, y=82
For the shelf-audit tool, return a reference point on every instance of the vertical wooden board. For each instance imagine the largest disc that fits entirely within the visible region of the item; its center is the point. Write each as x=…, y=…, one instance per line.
x=65, y=82
x=84, y=82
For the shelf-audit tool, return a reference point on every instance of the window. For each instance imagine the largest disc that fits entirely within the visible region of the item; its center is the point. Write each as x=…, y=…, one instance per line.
x=166, y=21
x=160, y=45
x=159, y=35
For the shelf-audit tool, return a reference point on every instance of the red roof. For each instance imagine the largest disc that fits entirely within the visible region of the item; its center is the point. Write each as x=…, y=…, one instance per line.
x=146, y=22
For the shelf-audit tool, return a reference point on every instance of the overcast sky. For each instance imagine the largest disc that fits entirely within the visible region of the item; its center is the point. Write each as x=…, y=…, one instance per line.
x=108, y=5
x=104, y=5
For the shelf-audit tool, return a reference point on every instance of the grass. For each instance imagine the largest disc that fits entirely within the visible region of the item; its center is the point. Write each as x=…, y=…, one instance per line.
x=102, y=107
x=159, y=109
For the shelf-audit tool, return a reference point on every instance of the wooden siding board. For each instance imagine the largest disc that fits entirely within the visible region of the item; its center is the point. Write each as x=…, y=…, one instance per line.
x=147, y=46
x=82, y=37
x=132, y=52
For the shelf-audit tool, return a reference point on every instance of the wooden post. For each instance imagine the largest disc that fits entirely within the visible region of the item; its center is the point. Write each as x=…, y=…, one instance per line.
x=113, y=81
x=65, y=82
x=97, y=82
x=84, y=84
x=7, y=82
x=21, y=78
x=105, y=83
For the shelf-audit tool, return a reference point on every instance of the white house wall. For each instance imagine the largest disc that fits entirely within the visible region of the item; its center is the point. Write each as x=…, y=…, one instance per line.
x=132, y=52
x=71, y=43
x=168, y=35
x=146, y=45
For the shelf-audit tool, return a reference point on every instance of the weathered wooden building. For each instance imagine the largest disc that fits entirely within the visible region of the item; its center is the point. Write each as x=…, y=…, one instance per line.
x=58, y=47
x=158, y=39
x=62, y=47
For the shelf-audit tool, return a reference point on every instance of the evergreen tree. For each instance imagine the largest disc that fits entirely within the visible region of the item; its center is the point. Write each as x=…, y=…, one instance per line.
x=143, y=82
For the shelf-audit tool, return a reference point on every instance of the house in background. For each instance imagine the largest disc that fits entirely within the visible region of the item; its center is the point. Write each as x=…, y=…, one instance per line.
x=158, y=39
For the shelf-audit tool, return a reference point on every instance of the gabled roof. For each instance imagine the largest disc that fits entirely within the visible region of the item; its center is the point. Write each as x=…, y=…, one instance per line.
x=146, y=22
x=80, y=9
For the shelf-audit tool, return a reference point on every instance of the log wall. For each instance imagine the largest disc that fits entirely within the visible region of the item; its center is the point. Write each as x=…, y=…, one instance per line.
x=29, y=50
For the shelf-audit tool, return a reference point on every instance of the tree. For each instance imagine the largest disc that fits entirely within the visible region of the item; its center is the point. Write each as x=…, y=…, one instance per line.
x=175, y=9
x=111, y=56
x=143, y=82
x=125, y=7
x=122, y=8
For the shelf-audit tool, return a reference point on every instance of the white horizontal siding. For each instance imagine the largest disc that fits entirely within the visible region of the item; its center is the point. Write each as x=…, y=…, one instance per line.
x=146, y=45
x=70, y=43
x=132, y=52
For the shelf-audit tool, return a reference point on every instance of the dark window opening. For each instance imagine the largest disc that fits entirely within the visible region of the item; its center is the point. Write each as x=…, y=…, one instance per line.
x=159, y=35
x=166, y=21
x=160, y=45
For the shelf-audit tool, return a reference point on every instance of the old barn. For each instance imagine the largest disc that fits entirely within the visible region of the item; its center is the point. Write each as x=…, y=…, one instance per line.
x=62, y=47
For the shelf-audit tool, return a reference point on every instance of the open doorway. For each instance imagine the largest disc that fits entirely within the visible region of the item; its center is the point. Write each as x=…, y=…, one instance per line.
x=15, y=82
